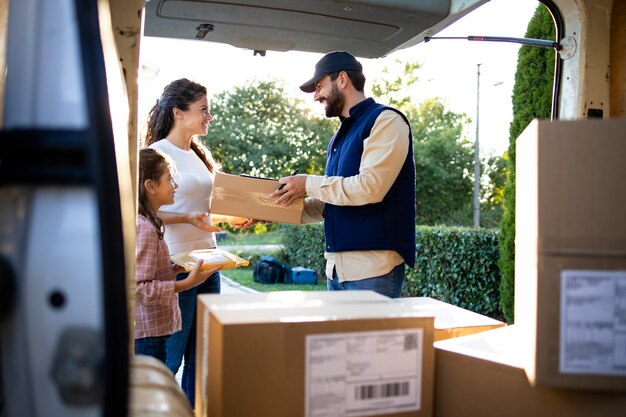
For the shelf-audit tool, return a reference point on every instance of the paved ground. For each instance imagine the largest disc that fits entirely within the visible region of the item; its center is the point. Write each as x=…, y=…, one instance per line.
x=256, y=248
x=231, y=287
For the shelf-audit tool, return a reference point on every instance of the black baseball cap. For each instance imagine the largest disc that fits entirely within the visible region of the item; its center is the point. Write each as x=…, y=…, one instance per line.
x=331, y=62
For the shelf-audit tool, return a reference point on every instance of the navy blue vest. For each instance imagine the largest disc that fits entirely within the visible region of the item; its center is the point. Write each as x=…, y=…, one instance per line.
x=388, y=225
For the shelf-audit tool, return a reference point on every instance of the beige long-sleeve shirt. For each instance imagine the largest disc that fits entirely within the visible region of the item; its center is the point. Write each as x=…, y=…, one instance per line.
x=384, y=152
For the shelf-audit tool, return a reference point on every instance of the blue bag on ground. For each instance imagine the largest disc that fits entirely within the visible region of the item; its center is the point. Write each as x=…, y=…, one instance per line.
x=270, y=270
x=300, y=275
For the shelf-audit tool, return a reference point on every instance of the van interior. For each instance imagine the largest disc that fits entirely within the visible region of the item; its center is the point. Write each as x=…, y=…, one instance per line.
x=69, y=143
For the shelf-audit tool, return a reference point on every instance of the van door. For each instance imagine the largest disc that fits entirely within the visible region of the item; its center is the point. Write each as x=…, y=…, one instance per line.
x=64, y=332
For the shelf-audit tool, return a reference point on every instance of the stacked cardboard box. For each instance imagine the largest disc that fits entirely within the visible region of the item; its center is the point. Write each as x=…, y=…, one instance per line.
x=570, y=260
x=450, y=320
x=482, y=375
x=312, y=354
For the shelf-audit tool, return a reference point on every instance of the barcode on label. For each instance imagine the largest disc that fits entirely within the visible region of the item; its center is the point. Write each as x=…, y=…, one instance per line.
x=393, y=389
x=410, y=342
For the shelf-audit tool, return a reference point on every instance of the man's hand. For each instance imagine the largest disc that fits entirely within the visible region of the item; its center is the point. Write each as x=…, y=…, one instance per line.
x=200, y=220
x=292, y=188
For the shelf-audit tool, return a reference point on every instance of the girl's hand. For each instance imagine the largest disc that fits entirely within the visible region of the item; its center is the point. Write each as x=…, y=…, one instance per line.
x=200, y=220
x=177, y=269
x=199, y=275
x=196, y=277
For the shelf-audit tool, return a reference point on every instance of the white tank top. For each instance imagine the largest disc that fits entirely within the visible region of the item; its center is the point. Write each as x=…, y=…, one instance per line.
x=195, y=186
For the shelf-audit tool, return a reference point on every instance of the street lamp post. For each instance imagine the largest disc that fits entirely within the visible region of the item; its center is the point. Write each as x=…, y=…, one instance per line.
x=476, y=195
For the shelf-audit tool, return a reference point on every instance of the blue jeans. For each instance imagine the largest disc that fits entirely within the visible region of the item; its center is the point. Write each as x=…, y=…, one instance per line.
x=152, y=346
x=183, y=343
x=389, y=284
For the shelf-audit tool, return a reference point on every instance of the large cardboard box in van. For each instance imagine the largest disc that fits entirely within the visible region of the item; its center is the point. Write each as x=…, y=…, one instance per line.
x=450, y=320
x=570, y=253
x=245, y=196
x=293, y=298
x=482, y=375
x=571, y=315
x=570, y=187
x=373, y=357
x=263, y=301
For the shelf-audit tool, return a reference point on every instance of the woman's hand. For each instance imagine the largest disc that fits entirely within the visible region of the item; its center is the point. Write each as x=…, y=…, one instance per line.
x=240, y=223
x=200, y=220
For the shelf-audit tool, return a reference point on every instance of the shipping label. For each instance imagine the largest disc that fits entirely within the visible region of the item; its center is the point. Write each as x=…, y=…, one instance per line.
x=363, y=373
x=593, y=322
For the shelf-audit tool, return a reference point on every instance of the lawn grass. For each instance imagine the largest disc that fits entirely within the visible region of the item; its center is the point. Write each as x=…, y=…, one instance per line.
x=243, y=276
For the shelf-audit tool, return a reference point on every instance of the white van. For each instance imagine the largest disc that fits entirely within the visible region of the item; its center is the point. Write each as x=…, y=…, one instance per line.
x=68, y=151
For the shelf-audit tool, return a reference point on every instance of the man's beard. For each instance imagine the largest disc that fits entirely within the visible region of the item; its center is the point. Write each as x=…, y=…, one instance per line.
x=334, y=102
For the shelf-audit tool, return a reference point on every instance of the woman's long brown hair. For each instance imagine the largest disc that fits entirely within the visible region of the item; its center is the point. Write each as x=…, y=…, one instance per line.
x=177, y=94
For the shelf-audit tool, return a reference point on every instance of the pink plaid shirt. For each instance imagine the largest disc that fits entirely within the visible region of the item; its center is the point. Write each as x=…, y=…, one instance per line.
x=156, y=309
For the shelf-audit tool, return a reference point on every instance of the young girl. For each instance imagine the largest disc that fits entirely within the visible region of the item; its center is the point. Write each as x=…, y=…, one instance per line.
x=157, y=314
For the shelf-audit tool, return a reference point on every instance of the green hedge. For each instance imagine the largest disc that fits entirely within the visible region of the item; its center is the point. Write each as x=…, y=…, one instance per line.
x=458, y=266
x=455, y=265
x=304, y=246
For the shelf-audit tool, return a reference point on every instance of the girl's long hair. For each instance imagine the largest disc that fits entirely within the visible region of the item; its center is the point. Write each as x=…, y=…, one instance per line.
x=152, y=165
x=177, y=94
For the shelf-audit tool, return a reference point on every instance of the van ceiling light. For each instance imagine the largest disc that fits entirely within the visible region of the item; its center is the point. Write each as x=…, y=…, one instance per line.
x=203, y=29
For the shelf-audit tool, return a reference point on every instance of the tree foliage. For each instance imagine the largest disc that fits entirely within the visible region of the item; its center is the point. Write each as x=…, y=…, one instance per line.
x=259, y=130
x=492, y=191
x=443, y=156
x=443, y=163
x=532, y=97
x=393, y=91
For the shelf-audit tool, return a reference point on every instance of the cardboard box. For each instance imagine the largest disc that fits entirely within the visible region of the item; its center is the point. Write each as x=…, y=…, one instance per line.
x=313, y=355
x=570, y=186
x=293, y=299
x=571, y=233
x=244, y=196
x=570, y=313
x=450, y=320
x=482, y=375
x=262, y=301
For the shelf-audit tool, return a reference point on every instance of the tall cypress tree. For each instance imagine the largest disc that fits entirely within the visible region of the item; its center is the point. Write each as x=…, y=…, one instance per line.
x=532, y=98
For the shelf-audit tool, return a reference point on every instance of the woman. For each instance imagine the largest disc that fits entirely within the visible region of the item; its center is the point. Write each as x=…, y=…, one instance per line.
x=174, y=123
